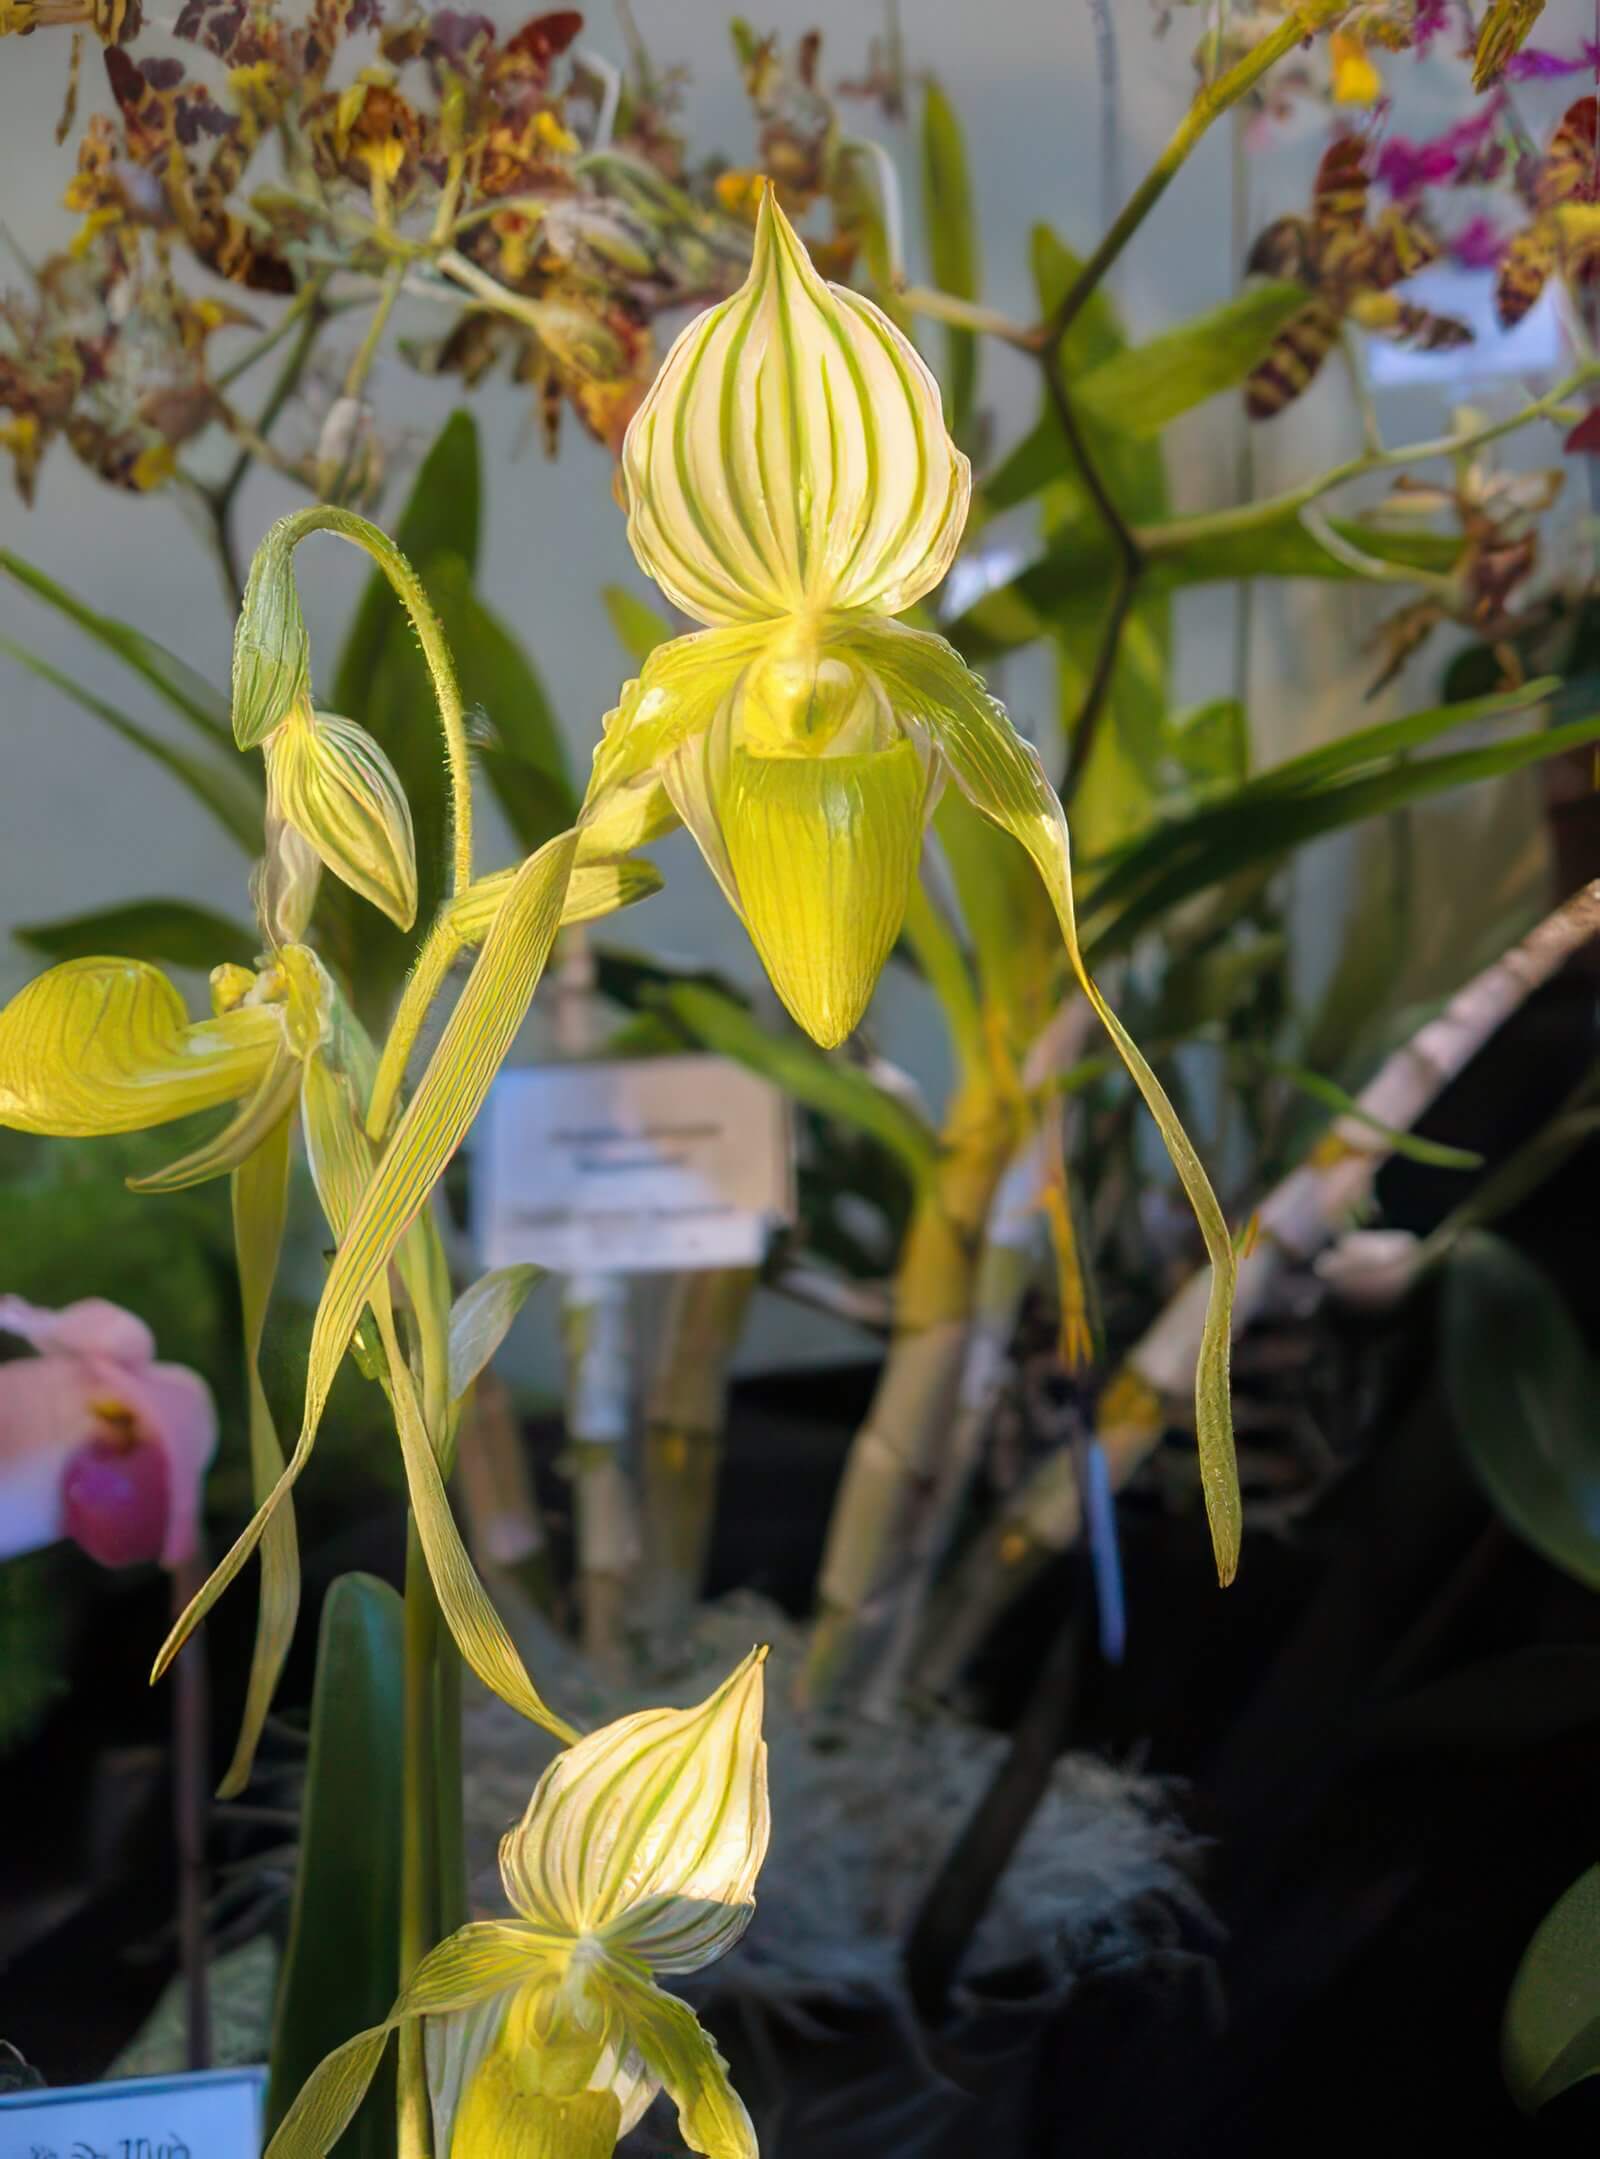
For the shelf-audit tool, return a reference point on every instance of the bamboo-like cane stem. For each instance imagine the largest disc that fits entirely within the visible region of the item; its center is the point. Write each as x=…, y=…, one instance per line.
x=1303, y=1214
x=596, y=1329
x=683, y=1434
x=893, y=1455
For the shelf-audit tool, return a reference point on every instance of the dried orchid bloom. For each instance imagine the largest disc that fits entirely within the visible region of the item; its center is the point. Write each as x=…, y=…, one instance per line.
x=98, y=1442
x=637, y=1856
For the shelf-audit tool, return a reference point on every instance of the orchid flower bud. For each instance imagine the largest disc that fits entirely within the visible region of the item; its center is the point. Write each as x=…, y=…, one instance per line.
x=329, y=781
x=271, y=647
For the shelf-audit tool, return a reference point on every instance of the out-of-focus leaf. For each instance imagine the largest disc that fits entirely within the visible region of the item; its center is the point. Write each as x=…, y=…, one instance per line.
x=481, y=1318
x=227, y=784
x=1007, y=913
x=1094, y=338
x=1332, y=1096
x=1071, y=580
x=343, y=1952
x=1205, y=988
x=633, y=979
x=1371, y=951
x=1147, y=387
x=1210, y=743
x=639, y=626
x=795, y=1064
x=1526, y=1399
x=186, y=691
x=1364, y=775
x=441, y=517
x=172, y=932
x=952, y=245
x=1550, y=2036
x=498, y=682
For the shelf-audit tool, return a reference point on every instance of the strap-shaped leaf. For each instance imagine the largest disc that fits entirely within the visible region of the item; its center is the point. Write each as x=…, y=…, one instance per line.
x=188, y=693
x=481, y=1318
x=951, y=223
x=260, y=1209
x=169, y=933
x=639, y=626
x=1001, y=775
x=448, y=1097
x=229, y=788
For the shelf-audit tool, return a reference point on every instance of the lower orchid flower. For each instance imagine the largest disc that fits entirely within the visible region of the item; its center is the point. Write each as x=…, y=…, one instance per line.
x=98, y=1442
x=547, y=2035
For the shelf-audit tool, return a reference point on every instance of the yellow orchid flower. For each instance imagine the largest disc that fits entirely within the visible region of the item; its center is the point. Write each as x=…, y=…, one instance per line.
x=638, y=1855
x=790, y=483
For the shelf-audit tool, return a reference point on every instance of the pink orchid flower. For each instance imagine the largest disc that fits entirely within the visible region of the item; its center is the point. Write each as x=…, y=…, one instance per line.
x=98, y=1442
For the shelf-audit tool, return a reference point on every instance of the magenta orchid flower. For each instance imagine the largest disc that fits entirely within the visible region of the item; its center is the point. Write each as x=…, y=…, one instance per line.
x=98, y=1442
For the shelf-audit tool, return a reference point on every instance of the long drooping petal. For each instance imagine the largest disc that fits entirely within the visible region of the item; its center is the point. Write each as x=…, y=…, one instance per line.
x=1000, y=774
x=649, y=1834
x=260, y=1195
x=448, y=1097
x=791, y=455
x=104, y=1045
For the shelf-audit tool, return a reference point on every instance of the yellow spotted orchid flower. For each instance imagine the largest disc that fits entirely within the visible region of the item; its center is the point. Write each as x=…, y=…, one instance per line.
x=790, y=483
x=547, y=2034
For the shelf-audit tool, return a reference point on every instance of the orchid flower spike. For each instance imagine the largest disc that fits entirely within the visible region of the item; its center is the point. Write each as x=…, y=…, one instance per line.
x=790, y=484
x=547, y=2034
x=98, y=1442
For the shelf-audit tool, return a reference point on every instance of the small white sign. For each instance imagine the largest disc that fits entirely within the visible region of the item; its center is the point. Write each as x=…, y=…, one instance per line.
x=1537, y=345
x=639, y=1166
x=214, y=2114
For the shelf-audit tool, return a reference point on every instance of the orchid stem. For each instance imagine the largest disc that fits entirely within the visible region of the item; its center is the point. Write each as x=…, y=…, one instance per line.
x=1211, y=102
x=420, y=1900
x=190, y=1809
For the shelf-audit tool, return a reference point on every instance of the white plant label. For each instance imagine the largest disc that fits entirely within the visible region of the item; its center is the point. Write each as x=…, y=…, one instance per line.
x=1537, y=345
x=215, y=2114
x=644, y=1165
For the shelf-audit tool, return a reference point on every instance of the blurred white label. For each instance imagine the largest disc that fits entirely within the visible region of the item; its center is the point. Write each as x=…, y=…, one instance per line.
x=642, y=1166
x=213, y=2115
x=1537, y=346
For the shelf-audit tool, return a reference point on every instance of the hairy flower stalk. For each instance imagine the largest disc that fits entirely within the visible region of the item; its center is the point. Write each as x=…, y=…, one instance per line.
x=637, y=1857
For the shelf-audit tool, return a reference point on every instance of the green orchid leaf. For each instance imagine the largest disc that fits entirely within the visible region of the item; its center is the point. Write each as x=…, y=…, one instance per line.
x=174, y=933
x=1007, y=914
x=344, y=1925
x=174, y=680
x=1526, y=1398
x=1550, y=2035
x=1071, y=580
x=1317, y=1087
x=482, y=1317
x=499, y=682
x=1234, y=836
x=951, y=224
x=1210, y=743
x=792, y=1062
x=639, y=626
x=260, y=1210
x=1203, y=988
x=229, y=787
x=442, y=517
x=1147, y=387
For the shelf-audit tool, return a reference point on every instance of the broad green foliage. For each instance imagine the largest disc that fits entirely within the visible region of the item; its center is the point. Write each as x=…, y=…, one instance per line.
x=1550, y=2035
x=1526, y=1400
x=952, y=245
